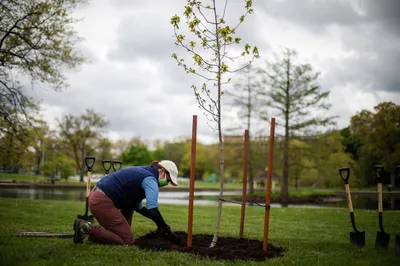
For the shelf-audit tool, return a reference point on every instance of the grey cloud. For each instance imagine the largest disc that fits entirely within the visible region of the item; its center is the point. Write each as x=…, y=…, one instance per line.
x=317, y=14
x=369, y=31
x=310, y=12
x=140, y=89
x=375, y=63
x=139, y=38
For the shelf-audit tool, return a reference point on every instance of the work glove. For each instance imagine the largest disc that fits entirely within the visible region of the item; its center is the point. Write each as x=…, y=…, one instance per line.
x=167, y=234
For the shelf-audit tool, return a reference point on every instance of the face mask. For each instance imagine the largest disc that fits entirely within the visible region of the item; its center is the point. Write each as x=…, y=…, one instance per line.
x=162, y=183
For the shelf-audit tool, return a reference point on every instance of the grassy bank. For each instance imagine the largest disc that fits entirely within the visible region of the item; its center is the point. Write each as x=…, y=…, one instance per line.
x=311, y=236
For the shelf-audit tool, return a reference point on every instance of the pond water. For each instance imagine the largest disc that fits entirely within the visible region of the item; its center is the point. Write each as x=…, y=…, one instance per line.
x=165, y=197
x=390, y=202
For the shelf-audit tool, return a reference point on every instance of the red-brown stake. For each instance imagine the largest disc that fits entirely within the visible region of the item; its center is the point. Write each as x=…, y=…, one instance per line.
x=268, y=186
x=243, y=211
x=192, y=178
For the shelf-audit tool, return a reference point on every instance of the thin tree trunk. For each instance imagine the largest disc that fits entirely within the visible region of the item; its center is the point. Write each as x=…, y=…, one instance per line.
x=221, y=144
x=285, y=181
x=221, y=194
x=285, y=177
x=249, y=108
x=251, y=182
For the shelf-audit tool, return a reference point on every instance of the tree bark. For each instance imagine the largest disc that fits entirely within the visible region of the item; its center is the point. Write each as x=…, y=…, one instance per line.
x=221, y=144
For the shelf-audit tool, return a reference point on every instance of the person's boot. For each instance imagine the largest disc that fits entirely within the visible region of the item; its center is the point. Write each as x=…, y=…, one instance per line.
x=82, y=229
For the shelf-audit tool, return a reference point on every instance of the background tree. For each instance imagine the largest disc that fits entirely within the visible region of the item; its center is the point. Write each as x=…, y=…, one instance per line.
x=210, y=61
x=80, y=132
x=379, y=135
x=203, y=161
x=233, y=157
x=137, y=155
x=65, y=166
x=37, y=40
x=350, y=143
x=298, y=159
x=39, y=134
x=292, y=90
x=244, y=96
x=15, y=141
x=103, y=151
x=327, y=155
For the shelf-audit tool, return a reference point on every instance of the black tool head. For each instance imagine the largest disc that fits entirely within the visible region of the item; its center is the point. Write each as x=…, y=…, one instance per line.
x=106, y=165
x=382, y=240
x=116, y=165
x=88, y=218
x=89, y=161
x=357, y=238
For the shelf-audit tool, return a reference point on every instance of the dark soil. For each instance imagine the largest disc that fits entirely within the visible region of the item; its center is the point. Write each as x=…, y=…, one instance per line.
x=227, y=248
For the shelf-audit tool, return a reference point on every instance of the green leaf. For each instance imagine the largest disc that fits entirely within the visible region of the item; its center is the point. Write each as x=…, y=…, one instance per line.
x=175, y=20
x=188, y=11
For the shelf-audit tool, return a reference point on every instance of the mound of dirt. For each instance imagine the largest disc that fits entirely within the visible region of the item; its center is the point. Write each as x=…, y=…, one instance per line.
x=227, y=248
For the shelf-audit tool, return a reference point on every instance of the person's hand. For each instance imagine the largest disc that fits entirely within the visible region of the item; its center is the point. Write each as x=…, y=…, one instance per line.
x=167, y=234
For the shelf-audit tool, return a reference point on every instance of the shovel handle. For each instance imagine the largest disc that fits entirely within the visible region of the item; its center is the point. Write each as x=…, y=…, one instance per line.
x=116, y=165
x=380, y=208
x=106, y=165
x=345, y=178
x=89, y=161
x=378, y=171
x=89, y=176
x=348, y=196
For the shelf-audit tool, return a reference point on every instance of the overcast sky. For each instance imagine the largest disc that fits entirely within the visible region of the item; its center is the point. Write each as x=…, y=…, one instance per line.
x=131, y=79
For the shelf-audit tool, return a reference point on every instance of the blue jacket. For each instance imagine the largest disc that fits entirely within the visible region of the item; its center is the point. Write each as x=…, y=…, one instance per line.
x=125, y=187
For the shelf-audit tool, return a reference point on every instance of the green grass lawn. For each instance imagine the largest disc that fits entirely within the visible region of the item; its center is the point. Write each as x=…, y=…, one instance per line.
x=310, y=236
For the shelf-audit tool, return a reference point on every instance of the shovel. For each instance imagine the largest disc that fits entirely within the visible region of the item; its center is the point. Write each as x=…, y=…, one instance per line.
x=357, y=238
x=382, y=238
x=89, y=161
x=106, y=166
x=116, y=165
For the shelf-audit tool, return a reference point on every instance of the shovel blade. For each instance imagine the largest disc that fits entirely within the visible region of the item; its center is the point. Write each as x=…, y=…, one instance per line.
x=88, y=218
x=357, y=238
x=397, y=245
x=382, y=240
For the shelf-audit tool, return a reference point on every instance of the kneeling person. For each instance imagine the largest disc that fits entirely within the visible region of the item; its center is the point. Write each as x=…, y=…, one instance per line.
x=117, y=195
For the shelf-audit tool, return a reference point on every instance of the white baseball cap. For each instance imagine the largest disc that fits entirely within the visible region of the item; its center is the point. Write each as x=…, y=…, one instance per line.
x=171, y=168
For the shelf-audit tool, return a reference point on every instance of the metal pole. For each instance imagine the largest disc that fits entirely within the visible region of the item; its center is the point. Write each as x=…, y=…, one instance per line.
x=268, y=186
x=243, y=210
x=192, y=178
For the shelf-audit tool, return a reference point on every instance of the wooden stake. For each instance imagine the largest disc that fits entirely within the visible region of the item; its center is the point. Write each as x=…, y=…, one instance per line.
x=243, y=211
x=268, y=186
x=192, y=179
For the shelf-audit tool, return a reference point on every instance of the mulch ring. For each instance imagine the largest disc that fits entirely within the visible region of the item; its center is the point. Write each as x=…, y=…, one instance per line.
x=227, y=248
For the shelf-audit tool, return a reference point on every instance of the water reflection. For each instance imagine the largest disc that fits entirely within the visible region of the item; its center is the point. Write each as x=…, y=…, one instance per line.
x=370, y=202
x=390, y=201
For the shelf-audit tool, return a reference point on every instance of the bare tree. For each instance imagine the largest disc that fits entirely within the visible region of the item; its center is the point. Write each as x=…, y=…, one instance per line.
x=78, y=132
